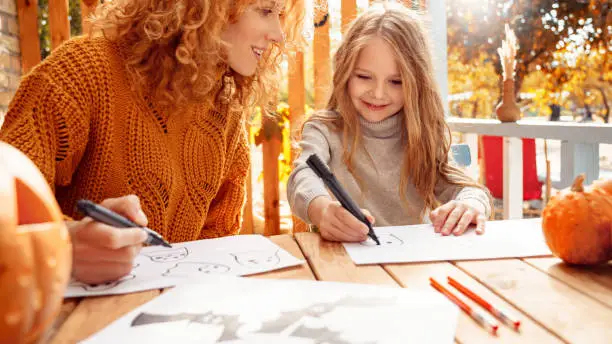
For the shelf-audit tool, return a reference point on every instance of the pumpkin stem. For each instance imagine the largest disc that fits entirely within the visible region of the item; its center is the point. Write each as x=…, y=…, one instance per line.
x=577, y=186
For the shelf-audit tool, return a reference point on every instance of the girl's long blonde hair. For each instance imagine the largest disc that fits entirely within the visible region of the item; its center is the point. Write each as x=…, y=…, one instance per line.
x=426, y=135
x=175, y=52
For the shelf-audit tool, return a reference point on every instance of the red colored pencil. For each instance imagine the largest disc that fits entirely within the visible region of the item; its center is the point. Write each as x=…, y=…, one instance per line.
x=482, y=318
x=499, y=313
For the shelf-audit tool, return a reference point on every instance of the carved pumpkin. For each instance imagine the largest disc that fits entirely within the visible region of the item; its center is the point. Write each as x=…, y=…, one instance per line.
x=35, y=250
x=577, y=223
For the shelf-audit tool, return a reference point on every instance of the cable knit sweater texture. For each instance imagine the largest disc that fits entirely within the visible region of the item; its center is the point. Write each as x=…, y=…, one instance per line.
x=92, y=137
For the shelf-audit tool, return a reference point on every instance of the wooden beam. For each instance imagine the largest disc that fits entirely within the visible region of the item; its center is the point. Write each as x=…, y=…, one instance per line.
x=88, y=7
x=297, y=103
x=322, y=63
x=297, y=95
x=349, y=12
x=271, y=150
x=59, y=25
x=27, y=12
x=247, y=212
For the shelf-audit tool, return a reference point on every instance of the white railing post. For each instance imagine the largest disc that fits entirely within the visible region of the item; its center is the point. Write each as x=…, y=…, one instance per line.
x=579, y=158
x=513, y=178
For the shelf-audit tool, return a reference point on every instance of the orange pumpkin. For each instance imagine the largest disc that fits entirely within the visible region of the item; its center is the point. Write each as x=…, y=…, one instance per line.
x=604, y=184
x=35, y=250
x=577, y=223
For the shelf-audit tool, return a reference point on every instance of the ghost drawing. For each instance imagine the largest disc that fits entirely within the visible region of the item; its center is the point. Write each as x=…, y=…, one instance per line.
x=168, y=255
x=188, y=269
x=101, y=286
x=257, y=259
x=386, y=239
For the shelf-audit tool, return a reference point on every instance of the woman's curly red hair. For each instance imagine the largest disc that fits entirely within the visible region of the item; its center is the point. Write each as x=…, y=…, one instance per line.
x=175, y=53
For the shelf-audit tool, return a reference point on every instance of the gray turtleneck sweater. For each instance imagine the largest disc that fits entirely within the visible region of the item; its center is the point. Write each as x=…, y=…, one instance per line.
x=380, y=175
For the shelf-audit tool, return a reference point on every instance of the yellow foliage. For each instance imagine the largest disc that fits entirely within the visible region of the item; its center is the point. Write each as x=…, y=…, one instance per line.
x=577, y=80
x=474, y=86
x=283, y=116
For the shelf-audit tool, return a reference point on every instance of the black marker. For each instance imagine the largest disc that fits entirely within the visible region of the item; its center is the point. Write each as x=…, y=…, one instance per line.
x=332, y=183
x=111, y=218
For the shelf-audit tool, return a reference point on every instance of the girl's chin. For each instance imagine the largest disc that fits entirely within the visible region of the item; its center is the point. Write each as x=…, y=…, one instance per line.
x=375, y=117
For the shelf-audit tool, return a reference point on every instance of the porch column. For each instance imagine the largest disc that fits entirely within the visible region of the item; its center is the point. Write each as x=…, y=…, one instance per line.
x=437, y=13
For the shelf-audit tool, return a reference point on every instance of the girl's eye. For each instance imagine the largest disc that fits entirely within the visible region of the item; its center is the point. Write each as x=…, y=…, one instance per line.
x=396, y=82
x=266, y=11
x=364, y=77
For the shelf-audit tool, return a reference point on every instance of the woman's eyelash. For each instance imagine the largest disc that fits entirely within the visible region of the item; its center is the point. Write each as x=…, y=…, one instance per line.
x=396, y=82
x=361, y=76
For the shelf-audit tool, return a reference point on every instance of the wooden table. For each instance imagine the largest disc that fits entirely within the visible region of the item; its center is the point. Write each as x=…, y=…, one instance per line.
x=556, y=303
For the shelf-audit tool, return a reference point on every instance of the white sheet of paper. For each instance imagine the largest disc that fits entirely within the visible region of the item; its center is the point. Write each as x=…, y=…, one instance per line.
x=160, y=267
x=419, y=243
x=224, y=309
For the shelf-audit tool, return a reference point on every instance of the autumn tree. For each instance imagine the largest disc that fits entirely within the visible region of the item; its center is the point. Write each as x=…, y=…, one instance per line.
x=473, y=85
x=579, y=80
x=477, y=27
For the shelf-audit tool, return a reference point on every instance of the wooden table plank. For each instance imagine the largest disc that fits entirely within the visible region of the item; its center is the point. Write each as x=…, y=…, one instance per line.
x=94, y=313
x=68, y=306
x=595, y=281
x=560, y=308
x=301, y=272
x=416, y=277
x=330, y=262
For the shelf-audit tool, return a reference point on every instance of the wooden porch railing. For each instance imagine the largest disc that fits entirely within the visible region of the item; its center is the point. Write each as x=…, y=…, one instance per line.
x=59, y=27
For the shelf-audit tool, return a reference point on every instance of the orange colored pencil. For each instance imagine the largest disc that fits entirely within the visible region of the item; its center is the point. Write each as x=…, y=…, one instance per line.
x=499, y=313
x=481, y=318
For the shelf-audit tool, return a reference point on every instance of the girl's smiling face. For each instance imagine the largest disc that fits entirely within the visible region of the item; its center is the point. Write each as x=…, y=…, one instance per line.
x=375, y=84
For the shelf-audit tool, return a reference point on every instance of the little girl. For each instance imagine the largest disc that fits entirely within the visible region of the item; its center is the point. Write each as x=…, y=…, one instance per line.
x=384, y=137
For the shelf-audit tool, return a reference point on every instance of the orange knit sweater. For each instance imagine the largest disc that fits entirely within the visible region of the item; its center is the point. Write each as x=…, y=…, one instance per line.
x=76, y=117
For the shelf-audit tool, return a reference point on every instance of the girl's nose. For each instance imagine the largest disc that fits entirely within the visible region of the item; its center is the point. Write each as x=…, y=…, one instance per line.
x=379, y=91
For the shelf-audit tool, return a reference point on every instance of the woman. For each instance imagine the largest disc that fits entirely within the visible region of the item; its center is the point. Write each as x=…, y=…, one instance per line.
x=147, y=115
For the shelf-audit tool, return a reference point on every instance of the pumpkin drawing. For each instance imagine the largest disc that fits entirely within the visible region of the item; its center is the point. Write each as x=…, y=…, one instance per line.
x=35, y=250
x=577, y=223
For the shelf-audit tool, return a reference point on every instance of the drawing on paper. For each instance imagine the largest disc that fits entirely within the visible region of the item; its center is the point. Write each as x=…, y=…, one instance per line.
x=305, y=323
x=257, y=259
x=168, y=255
x=230, y=323
x=101, y=286
x=386, y=239
x=186, y=269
